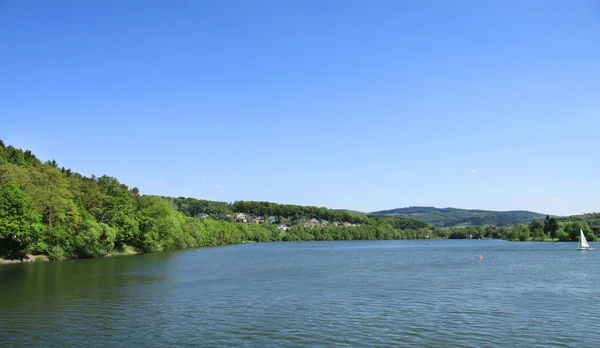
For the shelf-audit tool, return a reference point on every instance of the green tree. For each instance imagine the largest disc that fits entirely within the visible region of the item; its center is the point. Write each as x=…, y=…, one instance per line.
x=49, y=192
x=572, y=230
x=536, y=229
x=520, y=232
x=551, y=227
x=15, y=156
x=94, y=239
x=159, y=226
x=490, y=231
x=117, y=209
x=3, y=159
x=19, y=228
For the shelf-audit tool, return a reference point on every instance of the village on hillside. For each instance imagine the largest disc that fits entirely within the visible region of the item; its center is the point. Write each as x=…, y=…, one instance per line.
x=283, y=222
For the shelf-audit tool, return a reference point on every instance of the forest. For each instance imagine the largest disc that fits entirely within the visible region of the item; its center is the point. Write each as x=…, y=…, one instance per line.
x=49, y=210
x=46, y=209
x=548, y=229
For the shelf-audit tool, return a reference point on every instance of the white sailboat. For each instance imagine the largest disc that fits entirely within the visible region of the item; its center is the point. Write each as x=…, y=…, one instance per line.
x=583, y=244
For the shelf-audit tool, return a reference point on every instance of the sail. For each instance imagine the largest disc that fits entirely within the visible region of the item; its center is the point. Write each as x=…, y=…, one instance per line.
x=584, y=243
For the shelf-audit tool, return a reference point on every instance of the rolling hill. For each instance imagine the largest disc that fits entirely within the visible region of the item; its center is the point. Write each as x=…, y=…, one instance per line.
x=450, y=217
x=355, y=212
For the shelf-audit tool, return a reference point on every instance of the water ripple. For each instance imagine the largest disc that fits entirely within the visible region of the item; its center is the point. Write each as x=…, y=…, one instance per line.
x=383, y=294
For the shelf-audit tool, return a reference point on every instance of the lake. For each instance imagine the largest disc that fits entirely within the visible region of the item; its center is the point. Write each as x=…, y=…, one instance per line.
x=327, y=294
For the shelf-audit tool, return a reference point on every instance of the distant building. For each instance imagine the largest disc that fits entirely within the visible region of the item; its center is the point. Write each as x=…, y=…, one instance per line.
x=240, y=217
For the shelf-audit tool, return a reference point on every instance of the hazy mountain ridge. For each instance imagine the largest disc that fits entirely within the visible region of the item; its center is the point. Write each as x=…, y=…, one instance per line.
x=450, y=217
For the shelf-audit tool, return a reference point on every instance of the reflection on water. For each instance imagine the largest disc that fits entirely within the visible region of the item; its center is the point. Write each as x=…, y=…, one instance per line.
x=63, y=281
x=380, y=293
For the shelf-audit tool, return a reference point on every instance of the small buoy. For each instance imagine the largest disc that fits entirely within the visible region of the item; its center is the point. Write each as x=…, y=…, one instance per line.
x=480, y=256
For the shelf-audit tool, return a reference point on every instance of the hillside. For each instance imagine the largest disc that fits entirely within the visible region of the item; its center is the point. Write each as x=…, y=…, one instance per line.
x=50, y=210
x=283, y=213
x=592, y=218
x=451, y=217
x=354, y=212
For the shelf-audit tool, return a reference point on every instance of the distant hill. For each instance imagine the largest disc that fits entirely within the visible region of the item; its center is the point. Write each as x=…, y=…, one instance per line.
x=450, y=217
x=355, y=212
x=590, y=218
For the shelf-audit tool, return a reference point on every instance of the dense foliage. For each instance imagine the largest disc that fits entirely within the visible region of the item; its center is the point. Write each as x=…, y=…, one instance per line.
x=452, y=217
x=538, y=230
x=592, y=219
x=284, y=212
x=53, y=211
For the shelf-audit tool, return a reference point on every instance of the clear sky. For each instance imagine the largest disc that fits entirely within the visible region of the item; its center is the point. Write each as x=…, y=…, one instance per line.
x=365, y=105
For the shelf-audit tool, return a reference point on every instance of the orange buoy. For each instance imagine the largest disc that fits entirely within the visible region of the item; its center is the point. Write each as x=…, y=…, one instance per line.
x=480, y=256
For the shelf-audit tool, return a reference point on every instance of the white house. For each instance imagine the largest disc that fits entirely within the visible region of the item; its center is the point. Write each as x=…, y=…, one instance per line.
x=240, y=217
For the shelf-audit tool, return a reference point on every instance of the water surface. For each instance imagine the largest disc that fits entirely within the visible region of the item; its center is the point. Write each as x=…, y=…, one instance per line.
x=377, y=293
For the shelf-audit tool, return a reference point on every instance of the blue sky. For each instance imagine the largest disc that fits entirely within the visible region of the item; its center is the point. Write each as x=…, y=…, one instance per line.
x=364, y=105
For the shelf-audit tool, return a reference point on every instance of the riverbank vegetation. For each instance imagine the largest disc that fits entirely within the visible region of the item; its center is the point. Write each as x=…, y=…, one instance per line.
x=548, y=229
x=52, y=211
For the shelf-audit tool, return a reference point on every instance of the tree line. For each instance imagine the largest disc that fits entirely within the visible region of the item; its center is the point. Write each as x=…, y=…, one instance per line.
x=193, y=207
x=50, y=210
x=549, y=229
x=220, y=210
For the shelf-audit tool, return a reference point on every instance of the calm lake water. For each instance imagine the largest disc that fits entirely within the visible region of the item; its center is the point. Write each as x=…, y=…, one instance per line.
x=379, y=293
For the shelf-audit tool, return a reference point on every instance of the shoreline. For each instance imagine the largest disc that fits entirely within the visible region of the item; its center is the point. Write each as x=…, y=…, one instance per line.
x=128, y=252
x=43, y=258
x=28, y=259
